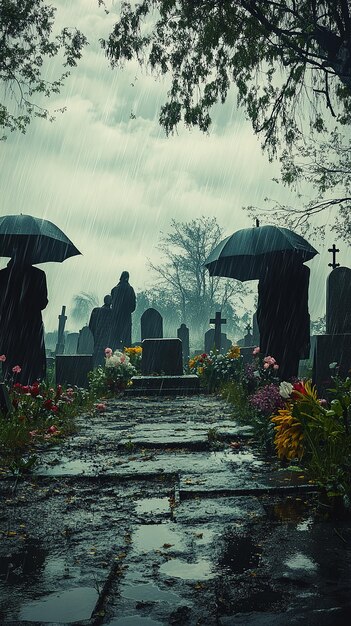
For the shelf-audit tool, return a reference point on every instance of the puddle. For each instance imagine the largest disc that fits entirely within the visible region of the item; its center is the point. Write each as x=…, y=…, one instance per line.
x=238, y=554
x=149, y=593
x=155, y=537
x=239, y=458
x=152, y=505
x=305, y=524
x=293, y=510
x=202, y=570
x=135, y=620
x=299, y=561
x=67, y=606
x=27, y=562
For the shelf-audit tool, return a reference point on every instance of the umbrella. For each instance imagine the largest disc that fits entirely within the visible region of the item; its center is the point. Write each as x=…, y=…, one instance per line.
x=38, y=239
x=245, y=254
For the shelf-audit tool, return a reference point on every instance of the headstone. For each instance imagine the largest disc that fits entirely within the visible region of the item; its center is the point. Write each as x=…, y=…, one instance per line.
x=5, y=403
x=71, y=343
x=73, y=369
x=183, y=335
x=151, y=323
x=335, y=345
x=210, y=342
x=60, y=346
x=248, y=339
x=218, y=321
x=338, y=312
x=162, y=357
x=85, y=341
x=255, y=331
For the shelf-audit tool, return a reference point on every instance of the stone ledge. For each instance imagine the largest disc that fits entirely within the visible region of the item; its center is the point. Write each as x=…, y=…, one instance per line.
x=164, y=385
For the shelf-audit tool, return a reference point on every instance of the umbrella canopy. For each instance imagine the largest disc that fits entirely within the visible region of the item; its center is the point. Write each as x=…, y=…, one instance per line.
x=37, y=239
x=244, y=254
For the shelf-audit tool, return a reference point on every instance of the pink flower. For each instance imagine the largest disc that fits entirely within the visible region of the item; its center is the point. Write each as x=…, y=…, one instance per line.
x=256, y=351
x=275, y=366
x=17, y=369
x=33, y=433
x=101, y=406
x=266, y=366
x=108, y=352
x=2, y=357
x=53, y=430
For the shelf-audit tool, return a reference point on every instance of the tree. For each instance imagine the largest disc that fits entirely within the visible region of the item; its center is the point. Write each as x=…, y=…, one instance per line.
x=185, y=283
x=83, y=304
x=326, y=165
x=26, y=43
x=275, y=52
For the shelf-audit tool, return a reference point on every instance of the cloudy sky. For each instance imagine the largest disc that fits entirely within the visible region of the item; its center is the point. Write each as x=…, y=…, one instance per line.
x=112, y=183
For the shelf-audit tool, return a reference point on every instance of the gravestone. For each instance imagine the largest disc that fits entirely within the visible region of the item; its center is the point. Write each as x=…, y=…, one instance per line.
x=218, y=321
x=60, y=346
x=338, y=311
x=248, y=338
x=6, y=407
x=85, y=341
x=71, y=343
x=335, y=345
x=73, y=369
x=162, y=357
x=183, y=335
x=151, y=324
x=210, y=342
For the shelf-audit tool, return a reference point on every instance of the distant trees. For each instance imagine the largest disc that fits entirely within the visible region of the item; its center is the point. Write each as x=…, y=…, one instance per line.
x=26, y=42
x=184, y=287
x=83, y=304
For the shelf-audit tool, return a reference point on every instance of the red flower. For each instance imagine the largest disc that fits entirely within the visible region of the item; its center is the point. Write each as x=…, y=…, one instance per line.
x=54, y=408
x=34, y=390
x=299, y=387
x=48, y=404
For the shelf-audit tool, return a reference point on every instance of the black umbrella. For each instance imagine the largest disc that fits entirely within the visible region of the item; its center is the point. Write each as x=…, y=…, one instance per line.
x=245, y=254
x=38, y=239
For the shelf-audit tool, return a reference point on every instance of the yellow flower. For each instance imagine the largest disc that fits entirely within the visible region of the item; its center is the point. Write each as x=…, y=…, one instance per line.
x=288, y=437
x=233, y=352
x=200, y=370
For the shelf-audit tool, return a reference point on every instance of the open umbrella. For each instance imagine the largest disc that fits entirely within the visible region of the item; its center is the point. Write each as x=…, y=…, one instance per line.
x=40, y=240
x=245, y=254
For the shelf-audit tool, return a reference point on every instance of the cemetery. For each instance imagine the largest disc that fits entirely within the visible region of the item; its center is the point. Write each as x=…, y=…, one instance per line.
x=166, y=470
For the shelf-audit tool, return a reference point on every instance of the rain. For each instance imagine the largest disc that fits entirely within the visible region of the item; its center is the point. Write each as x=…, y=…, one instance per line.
x=155, y=503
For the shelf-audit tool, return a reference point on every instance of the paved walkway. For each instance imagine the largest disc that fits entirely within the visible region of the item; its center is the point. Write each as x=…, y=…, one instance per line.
x=165, y=511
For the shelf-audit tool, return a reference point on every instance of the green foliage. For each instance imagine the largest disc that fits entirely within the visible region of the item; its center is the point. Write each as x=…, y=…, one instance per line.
x=114, y=377
x=26, y=43
x=274, y=52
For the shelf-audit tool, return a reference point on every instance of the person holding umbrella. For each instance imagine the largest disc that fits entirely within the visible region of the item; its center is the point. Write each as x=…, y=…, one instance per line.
x=282, y=313
x=28, y=240
x=23, y=297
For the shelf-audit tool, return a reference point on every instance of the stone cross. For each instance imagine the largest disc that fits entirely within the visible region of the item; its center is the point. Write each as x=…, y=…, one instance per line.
x=60, y=346
x=248, y=328
x=218, y=321
x=333, y=250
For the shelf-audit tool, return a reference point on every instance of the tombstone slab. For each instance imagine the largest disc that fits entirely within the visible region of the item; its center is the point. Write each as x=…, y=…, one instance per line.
x=164, y=385
x=338, y=308
x=73, y=369
x=71, y=343
x=151, y=324
x=183, y=335
x=210, y=341
x=85, y=341
x=330, y=349
x=162, y=357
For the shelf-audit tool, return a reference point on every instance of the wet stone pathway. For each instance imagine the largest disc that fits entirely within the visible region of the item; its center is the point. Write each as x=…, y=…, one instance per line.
x=165, y=511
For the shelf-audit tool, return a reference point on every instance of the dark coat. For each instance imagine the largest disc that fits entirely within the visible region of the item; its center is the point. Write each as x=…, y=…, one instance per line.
x=123, y=305
x=100, y=324
x=282, y=316
x=23, y=295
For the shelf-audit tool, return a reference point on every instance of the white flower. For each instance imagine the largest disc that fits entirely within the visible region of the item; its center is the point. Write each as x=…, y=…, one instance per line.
x=333, y=365
x=285, y=389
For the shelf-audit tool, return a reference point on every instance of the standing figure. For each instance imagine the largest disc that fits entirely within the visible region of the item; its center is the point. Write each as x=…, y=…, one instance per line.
x=282, y=314
x=123, y=305
x=100, y=324
x=23, y=296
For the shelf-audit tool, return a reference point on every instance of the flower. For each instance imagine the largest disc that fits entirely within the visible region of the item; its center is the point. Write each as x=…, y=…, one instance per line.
x=285, y=389
x=270, y=360
x=2, y=358
x=108, y=352
x=288, y=437
x=299, y=388
x=101, y=406
x=256, y=351
x=16, y=369
x=53, y=430
x=233, y=352
x=267, y=399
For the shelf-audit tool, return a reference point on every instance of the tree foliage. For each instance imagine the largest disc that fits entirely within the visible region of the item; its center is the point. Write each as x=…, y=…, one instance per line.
x=83, y=304
x=279, y=54
x=185, y=283
x=26, y=28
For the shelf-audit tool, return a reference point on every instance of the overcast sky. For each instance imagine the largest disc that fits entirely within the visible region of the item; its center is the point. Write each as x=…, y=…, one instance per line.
x=112, y=183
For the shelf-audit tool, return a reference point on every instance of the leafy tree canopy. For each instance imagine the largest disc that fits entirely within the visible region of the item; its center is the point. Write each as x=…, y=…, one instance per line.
x=26, y=43
x=277, y=53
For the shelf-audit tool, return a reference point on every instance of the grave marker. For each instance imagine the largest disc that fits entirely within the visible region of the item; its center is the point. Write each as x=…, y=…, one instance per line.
x=85, y=341
x=162, y=357
x=60, y=346
x=218, y=321
x=151, y=324
x=183, y=335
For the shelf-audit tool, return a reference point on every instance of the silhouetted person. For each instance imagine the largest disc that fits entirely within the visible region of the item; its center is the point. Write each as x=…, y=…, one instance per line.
x=282, y=314
x=123, y=305
x=100, y=324
x=23, y=296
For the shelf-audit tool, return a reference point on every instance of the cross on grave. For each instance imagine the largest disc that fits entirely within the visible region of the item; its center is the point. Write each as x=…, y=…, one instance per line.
x=60, y=346
x=218, y=321
x=248, y=328
x=333, y=250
